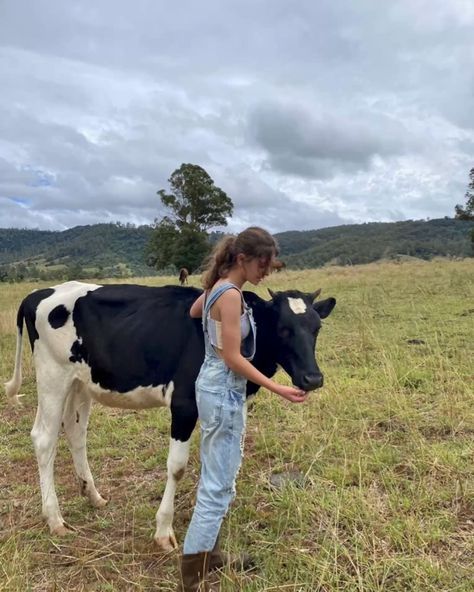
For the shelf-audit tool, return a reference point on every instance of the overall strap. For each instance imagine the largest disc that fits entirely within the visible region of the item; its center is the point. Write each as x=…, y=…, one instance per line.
x=210, y=299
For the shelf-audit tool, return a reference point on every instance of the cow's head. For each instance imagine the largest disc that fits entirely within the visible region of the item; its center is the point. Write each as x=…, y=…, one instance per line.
x=287, y=329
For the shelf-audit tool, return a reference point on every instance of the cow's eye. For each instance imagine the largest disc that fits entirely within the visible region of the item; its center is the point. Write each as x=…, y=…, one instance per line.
x=284, y=333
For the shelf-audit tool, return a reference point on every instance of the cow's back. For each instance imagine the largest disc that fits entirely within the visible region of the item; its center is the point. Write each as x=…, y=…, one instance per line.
x=116, y=337
x=135, y=335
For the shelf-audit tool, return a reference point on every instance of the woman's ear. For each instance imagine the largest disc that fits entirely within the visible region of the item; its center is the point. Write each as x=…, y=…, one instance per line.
x=240, y=259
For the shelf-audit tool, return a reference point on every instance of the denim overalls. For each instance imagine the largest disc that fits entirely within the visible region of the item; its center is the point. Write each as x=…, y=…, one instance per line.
x=222, y=407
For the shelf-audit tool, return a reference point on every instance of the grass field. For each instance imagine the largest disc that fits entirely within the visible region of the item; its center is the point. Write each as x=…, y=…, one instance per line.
x=386, y=449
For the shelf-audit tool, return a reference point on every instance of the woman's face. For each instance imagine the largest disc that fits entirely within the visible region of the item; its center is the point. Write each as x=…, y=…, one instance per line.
x=256, y=269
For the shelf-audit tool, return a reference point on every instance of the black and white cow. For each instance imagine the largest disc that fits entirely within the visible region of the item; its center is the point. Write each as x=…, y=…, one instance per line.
x=136, y=347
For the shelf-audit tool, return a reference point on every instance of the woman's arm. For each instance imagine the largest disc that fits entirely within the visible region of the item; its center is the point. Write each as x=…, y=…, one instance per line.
x=196, y=309
x=229, y=305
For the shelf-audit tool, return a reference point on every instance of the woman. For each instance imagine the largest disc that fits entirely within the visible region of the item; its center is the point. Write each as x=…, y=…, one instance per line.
x=229, y=335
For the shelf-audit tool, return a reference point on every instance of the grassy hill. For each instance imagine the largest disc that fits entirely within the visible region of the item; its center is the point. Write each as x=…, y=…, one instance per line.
x=101, y=249
x=115, y=250
x=364, y=243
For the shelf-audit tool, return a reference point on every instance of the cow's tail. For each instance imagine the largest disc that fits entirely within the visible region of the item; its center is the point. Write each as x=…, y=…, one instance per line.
x=12, y=387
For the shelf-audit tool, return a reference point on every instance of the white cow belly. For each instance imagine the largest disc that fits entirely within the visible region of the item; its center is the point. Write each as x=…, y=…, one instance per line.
x=142, y=397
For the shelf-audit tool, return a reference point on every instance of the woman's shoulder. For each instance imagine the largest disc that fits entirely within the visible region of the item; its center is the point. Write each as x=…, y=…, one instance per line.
x=230, y=292
x=225, y=292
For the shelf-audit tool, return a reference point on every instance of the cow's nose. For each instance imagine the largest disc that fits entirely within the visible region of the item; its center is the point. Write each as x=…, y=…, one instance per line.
x=312, y=381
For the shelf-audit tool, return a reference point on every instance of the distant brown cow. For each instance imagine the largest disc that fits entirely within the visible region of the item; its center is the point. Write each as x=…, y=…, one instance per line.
x=278, y=265
x=183, y=276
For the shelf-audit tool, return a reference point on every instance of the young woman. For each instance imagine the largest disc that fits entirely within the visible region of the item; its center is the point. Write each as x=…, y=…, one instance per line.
x=229, y=335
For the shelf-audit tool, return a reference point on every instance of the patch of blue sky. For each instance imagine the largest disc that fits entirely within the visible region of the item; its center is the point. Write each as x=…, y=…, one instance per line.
x=21, y=201
x=40, y=177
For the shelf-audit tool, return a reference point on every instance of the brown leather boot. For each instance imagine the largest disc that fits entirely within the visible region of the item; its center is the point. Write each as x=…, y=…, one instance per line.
x=194, y=570
x=220, y=559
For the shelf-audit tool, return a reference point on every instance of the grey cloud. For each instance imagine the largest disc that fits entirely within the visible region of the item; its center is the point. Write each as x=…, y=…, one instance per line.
x=14, y=215
x=257, y=203
x=321, y=143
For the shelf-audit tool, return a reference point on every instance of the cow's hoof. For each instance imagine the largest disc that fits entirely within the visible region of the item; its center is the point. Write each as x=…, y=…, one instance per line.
x=99, y=502
x=166, y=544
x=61, y=530
x=16, y=401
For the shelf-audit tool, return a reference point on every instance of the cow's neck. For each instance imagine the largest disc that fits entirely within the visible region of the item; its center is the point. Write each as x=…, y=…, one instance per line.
x=265, y=355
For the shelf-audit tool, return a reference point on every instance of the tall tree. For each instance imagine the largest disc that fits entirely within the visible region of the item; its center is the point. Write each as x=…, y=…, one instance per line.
x=194, y=200
x=467, y=212
x=195, y=205
x=159, y=249
x=190, y=249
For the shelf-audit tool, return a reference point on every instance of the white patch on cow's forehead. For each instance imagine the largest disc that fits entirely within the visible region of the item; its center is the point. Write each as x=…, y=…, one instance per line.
x=297, y=305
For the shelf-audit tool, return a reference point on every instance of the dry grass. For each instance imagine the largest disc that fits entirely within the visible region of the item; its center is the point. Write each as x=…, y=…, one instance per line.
x=386, y=449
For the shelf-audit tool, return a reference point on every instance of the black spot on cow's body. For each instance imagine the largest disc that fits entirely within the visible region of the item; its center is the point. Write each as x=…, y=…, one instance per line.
x=135, y=336
x=58, y=316
x=28, y=310
x=77, y=353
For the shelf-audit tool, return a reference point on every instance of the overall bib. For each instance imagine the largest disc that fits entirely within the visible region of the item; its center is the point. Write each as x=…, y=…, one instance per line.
x=222, y=407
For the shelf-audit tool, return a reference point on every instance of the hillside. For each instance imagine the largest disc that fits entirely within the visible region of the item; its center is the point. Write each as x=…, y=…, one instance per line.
x=364, y=243
x=105, y=250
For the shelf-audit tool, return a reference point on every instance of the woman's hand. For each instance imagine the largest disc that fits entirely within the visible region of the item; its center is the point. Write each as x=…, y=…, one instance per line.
x=290, y=393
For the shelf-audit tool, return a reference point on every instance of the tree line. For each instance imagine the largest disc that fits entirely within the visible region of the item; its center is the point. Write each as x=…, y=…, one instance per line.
x=184, y=236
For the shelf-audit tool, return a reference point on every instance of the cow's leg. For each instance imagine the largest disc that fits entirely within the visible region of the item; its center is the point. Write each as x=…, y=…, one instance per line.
x=183, y=421
x=75, y=421
x=53, y=387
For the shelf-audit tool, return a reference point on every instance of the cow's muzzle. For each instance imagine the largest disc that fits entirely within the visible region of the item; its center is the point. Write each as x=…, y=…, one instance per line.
x=312, y=381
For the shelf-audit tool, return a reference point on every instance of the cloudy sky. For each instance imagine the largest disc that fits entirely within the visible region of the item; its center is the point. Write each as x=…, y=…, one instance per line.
x=307, y=113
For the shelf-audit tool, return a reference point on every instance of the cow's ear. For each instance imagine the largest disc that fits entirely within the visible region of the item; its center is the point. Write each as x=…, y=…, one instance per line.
x=251, y=298
x=314, y=295
x=324, y=307
x=272, y=294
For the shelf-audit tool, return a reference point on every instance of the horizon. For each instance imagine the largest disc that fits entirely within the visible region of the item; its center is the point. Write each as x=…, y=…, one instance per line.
x=137, y=226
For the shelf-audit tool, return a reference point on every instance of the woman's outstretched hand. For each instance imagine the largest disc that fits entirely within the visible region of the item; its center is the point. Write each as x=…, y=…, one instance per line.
x=291, y=393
